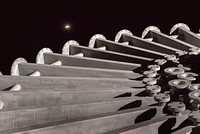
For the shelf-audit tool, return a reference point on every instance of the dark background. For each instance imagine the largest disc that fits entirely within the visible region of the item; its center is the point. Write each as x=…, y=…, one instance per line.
x=26, y=26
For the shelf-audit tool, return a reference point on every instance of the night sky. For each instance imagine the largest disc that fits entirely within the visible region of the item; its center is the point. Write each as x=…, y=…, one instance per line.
x=26, y=26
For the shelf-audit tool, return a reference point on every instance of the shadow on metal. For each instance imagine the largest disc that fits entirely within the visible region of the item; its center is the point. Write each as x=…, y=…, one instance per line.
x=147, y=115
x=133, y=104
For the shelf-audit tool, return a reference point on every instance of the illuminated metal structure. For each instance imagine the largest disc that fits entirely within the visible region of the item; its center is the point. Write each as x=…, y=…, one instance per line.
x=130, y=85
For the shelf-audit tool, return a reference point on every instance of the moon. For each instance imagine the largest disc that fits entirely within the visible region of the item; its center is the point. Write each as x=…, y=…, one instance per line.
x=67, y=27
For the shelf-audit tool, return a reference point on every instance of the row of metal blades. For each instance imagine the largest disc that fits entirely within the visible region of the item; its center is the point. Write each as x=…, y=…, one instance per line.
x=131, y=85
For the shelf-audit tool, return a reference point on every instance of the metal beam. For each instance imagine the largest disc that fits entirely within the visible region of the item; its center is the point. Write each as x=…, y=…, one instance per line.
x=170, y=41
x=108, y=55
x=32, y=116
x=65, y=83
x=188, y=36
x=70, y=71
x=31, y=98
x=69, y=60
x=93, y=124
x=142, y=43
x=127, y=49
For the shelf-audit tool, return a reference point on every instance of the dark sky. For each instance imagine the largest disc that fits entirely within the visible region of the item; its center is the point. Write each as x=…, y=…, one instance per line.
x=26, y=26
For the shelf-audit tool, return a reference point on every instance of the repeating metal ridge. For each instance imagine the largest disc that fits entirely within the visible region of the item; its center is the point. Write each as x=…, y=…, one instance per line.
x=131, y=85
